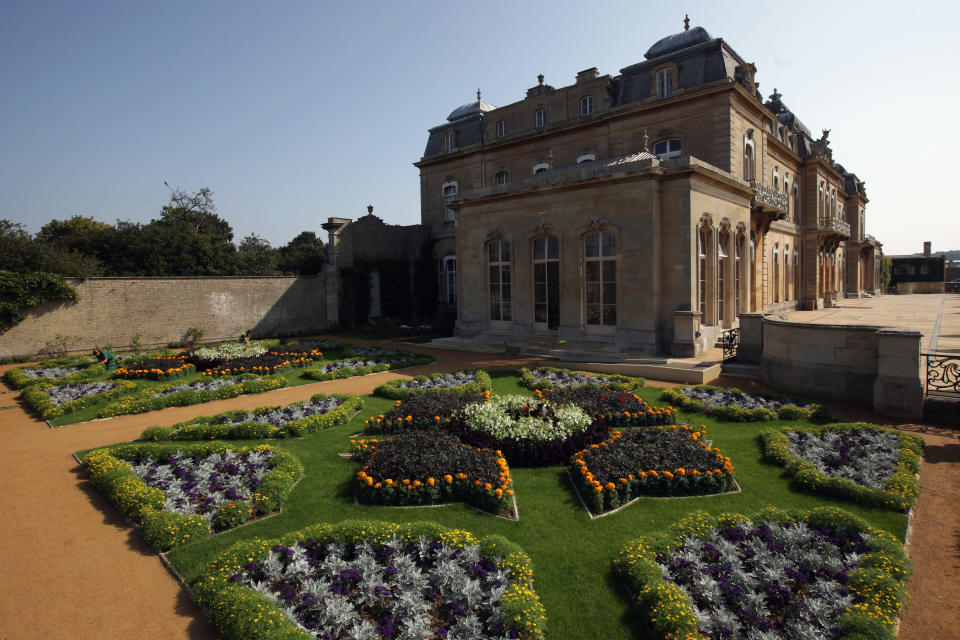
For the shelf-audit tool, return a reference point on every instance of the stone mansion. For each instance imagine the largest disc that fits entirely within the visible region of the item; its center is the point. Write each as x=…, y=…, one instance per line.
x=648, y=209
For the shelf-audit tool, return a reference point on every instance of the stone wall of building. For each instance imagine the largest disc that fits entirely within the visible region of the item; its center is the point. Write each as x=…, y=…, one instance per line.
x=161, y=310
x=907, y=288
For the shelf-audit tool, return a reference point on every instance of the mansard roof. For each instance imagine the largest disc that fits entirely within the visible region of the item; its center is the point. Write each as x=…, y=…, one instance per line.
x=470, y=109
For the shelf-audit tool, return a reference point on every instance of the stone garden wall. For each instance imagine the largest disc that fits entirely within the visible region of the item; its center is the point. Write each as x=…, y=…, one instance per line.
x=161, y=310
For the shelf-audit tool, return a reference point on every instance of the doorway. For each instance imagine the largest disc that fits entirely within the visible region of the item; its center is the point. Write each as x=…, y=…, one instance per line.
x=546, y=282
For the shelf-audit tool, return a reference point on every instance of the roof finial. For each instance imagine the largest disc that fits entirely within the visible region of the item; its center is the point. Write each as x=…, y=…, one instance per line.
x=776, y=95
x=540, y=78
x=478, y=95
x=646, y=141
x=370, y=209
x=686, y=22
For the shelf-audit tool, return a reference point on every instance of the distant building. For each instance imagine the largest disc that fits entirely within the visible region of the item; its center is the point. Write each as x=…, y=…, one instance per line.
x=918, y=273
x=647, y=209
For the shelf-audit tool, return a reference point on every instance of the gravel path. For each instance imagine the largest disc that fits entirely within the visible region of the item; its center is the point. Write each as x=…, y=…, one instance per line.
x=74, y=569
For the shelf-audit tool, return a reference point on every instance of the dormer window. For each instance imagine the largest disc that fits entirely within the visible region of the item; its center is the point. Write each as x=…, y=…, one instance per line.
x=670, y=148
x=448, y=141
x=501, y=128
x=586, y=105
x=450, y=191
x=540, y=118
x=587, y=157
x=664, y=83
x=748, y=160
x=543, y=167
x=502, y=177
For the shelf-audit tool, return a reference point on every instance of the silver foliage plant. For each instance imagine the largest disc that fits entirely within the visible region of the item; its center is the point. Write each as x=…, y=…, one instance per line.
x=290, y=413
x=201, y=485
x=445, y=381
x=520, y=417
x=54, y=373
x=566, y=378
x=725, y=398
x=766, y=581
x=403, y=591
x=229, y=351
x=864, y=456
x=209, y=384
x=68, y=392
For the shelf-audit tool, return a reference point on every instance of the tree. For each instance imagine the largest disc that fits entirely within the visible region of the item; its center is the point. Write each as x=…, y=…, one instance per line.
x=18, y=252
x=255, y=257
x=196, y=211
x=886, y=272
x=80, y=243
x=304, y=255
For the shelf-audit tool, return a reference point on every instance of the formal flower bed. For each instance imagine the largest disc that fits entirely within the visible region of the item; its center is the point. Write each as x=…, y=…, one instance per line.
x=294, y=420
x=858, y=462
x=349, y=367
x=523, y=418
x=165, y=368
x=822, y=574
x=205, y=357
x=183, y=394
x=665, y=461
x=177, y=492
x=54, y=372
x=373, y=580
x=52, y=400
x=737, y=406
x=275, y=360
x=430, y=467
x=615, y=408
x=551, y=378
x=423, y=411
x=463, y=381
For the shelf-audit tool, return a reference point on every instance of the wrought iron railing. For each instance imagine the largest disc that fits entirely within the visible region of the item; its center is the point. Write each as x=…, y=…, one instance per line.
x=943, y=373
x=769, y=196
x=730, y=341
x=834, y=225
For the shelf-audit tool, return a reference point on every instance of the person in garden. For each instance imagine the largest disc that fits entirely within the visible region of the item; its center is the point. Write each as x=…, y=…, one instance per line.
x=105, y=357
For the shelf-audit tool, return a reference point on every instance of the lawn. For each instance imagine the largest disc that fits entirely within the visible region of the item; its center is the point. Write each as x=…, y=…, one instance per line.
x=571, y=553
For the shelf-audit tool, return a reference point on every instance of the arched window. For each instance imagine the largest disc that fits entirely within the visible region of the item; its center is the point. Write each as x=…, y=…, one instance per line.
x=822, y=203
x=502, y=177
x=748, y=160
x=776, y=273
x=737, y=270
x=787, y=274
x=540, y=168
x=540, y=118
x=600, y=278
x=786, y=190
x=670, y=148
x=450, y=278
x=664, y=83
x=703, y=244
x=796, y=273
x=546, y=281
x=498, y=267
x=501, y=128
x=723, y=267
x=797, y=213
x=587, y=157
x=586, y=105
x=450, y=191
x=776, y=178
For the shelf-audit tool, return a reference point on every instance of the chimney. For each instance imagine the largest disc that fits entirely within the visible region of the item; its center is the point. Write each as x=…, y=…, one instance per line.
x=926, y=249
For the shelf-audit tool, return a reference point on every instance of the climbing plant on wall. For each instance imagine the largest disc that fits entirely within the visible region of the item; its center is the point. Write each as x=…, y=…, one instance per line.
x=19, y=291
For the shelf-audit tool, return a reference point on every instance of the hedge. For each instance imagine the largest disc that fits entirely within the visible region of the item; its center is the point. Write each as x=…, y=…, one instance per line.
x=240, y=613
x=166, y=529
x=880, y=579
x=902, y=488
x=201, y=428
x=394, y=391
x=148, y=400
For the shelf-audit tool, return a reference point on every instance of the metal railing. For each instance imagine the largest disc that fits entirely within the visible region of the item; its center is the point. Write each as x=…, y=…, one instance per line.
x=834, y=225
x=730, y=341
x=943, y=373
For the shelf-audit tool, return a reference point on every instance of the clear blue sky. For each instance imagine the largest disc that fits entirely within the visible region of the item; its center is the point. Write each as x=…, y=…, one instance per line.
x=292, y=112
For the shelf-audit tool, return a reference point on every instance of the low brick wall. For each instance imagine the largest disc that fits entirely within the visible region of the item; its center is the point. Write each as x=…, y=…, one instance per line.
x=161, y=310
x=907, y=288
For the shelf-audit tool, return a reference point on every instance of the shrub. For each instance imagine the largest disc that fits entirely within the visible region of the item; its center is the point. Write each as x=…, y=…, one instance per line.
x=464, y=382
x=112, y=475
x=876, y=582
x=900, y=489
x=239, y=612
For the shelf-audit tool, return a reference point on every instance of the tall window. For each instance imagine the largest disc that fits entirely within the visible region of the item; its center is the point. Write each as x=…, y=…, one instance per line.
x=502, y=177
x=787, y=275
x=796, y=273
x=586, y=105
x=450, y=278
x=797, y=214
x=540, y=118
x=748, y=160
x=664, y=83
x=448, y=141
x=702, y=243
x=776, y=274
x=722, y=266
x=668, y=148
x=600, y=278
x=776, y=178
x=546, y=281
x=501, y=128
x=498, y=261
x=737, y=266
x=450, y=191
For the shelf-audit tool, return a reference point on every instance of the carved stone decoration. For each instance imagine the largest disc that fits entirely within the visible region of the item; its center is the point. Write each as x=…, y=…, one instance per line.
x=725, y=224
x=821, y=148
x=741, y=227
x=496, y=234
x=706, y=220
x=543, y=228
x=598, y=222
x=745, y=74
